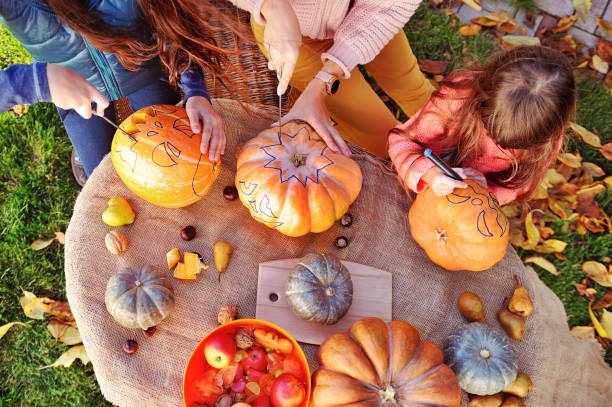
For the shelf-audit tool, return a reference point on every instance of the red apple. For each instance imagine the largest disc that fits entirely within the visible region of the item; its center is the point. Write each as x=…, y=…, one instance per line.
x=262, y=401
x=287, y=391
x=253, y=374
x=256, y=359
x=219, y=350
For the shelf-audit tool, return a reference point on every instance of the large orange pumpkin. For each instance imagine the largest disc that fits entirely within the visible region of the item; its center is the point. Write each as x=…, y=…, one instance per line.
x=465, y=230
x=158, y=157
x=382, y=365
x=293, y=182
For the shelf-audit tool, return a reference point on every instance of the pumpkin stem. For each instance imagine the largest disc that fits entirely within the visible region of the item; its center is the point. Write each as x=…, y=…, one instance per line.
x=387, y=395
x=330, y=291
x=299, y=159
x=484, y=353
x=138, y=283
x=441, y=235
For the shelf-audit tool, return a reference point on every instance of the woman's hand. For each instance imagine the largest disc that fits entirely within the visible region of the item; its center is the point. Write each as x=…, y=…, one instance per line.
x=69, y=90
x=203, y=118
x=282, y=39
x=441, y=184
x=310, y=107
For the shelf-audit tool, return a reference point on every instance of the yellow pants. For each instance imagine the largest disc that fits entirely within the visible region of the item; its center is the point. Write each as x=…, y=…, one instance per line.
x=361, y=116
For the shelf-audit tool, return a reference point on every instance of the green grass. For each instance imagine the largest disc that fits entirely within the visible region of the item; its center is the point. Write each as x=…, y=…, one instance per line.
x=37, y=193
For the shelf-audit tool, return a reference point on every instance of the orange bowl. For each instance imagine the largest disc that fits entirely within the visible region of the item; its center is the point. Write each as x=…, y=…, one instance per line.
x=197, y=365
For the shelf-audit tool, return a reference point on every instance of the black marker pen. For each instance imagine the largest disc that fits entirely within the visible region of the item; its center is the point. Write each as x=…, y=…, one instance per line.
x=441, y=164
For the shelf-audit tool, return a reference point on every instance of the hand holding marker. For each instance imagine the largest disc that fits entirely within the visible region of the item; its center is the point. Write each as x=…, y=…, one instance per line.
x=441, y=164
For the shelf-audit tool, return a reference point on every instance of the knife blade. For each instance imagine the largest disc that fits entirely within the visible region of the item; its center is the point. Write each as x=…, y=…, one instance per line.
x=106, y=119
x=280, y=100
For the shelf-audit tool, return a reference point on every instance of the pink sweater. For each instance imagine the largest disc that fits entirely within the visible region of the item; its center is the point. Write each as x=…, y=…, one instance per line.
x=411, y=166
x=359, y=34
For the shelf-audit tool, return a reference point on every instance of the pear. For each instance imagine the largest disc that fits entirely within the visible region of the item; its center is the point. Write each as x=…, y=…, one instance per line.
x=521, y=386
x=222, y=252
x=512, y=402
x=470, y=306
x=118, y=213
x=512, y=323
x=520, y=303
x=493, y=400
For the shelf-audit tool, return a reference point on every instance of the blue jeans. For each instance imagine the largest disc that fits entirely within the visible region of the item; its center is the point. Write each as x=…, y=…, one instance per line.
x=92, y=138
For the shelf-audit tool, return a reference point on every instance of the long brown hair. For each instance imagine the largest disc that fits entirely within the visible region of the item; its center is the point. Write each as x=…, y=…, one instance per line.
x=184, y=36
x=523, y=98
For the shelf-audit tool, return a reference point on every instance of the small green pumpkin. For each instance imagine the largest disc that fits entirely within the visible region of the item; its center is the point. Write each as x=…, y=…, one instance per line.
x=482, y=358
x=139, y=297
x=319, y=289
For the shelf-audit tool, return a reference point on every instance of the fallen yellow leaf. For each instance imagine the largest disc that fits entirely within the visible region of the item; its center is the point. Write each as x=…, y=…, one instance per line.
x=606, y=322
x=72, y=354
x=599, y=64
x=542, y=262
x=593, y=170
x=600, y=330
x=586, y=136
x=569, y=159
x=71, y=336
x=533, y=234
x=510, y=41
x=584, y=333
x=60, y=237
x=34, y=307
x=564, y=24
x=472, y=4
x=582, y=7
x=470, y=29
x=56, y=328
x=40, y=244
x=598, y=273
x=590, y=191
x=606, y=151
x=4, y=328
x=604, y=25
x=608, y=181
x=554, y=177
x=551, y=246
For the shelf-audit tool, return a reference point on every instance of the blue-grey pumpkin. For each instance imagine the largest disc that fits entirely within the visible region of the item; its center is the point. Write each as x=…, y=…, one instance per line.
x=482, y=358
x=319, y=289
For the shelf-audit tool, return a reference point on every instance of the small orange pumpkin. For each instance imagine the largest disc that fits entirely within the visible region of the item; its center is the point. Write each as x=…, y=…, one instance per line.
x=158, y=157
x=465, y=230
x=293, y=182
x=382, y=365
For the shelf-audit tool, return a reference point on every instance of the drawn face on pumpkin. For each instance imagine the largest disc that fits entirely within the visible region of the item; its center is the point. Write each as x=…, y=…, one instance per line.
x=490, y=221
x=158, y=157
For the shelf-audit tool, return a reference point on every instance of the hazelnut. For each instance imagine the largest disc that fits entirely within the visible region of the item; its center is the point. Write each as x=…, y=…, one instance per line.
x=188, y=233
x=116, y=242
x=346, y=220
x=341, y=242
x=149, y=331
x=130, y=346
x=230, y=193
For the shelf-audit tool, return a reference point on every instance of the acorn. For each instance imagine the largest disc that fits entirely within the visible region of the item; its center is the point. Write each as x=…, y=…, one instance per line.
x=226, y=314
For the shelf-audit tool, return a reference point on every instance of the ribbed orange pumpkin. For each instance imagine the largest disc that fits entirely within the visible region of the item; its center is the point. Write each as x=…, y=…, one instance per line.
x=465, y=230
x=159, y=158
x=382, y=365
x=293, y=182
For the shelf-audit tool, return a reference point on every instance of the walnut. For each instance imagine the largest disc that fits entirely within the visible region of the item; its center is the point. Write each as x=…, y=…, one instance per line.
x=244, y=338
x=227, y=313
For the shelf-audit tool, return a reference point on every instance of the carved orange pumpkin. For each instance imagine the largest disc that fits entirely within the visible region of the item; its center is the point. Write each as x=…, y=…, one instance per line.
x=293, y=182
x=158, y=157
x=382, y=365
x=465, y=230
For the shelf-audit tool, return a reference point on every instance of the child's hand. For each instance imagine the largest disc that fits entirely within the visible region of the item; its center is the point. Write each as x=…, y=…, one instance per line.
x=69, y=90
x=441, y=184
x=202, y=117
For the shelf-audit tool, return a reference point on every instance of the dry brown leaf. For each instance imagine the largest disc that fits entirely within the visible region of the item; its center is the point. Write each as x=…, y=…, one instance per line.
x=568, y=189
x=60, y=237
x=593, y=225
x=604, y=302
x=598, y=273
x=470, y=29
x=473, y=4
x=522, y=31
x=564, y=24
x=599, y=64
x=60, y=309
x=4, y=328
x=569, y=159
x=582, y=7
x=567, y=43
x=604, y=25
x=516, y=238
x=511, y=41
x=604, y=50
x=594, y=170
x=507, y=27
x=40, y=244
x=606, y=151
x=72, y=354
x=554, y=177
x=435, y=67
x=71, y=336
x=584, y=333
x=546, y=232
x=557, y=209
x=542, y=262
x=588, y=206
x=34, y=307
x=585, y=291
x=560, y=256
x=586, y=136
x=56, y=328
x=492, y=19
x=511, y=211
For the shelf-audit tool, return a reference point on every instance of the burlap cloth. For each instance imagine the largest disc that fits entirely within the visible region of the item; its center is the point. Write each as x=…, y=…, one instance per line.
x=565, y=372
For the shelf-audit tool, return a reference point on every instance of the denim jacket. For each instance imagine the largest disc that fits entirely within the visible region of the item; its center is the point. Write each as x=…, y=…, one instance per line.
x=47, y=39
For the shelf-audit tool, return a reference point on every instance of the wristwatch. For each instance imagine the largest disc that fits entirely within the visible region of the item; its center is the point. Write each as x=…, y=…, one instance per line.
x=331, y=82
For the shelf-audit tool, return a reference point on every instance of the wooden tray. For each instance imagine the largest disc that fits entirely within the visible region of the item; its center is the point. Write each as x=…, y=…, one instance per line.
x=372, y=297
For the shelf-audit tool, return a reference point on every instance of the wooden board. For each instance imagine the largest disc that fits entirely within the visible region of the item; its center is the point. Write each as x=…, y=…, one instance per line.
x=372, y=297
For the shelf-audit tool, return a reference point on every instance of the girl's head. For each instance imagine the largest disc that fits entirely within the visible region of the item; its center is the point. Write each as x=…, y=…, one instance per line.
x=524, y=99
